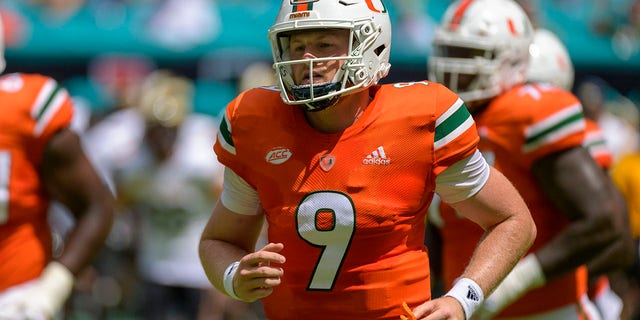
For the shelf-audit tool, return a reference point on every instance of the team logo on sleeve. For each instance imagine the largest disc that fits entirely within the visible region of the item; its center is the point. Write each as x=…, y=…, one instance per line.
x=278, y=155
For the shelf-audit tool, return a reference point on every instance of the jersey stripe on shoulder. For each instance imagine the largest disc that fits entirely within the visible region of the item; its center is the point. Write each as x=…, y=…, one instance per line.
x=224, y=135
x=452, y=124
x=49, y=100
x=554, y=128
x=595, y=142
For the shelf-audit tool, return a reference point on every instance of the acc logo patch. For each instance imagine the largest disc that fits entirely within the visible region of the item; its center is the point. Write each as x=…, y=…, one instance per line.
x=278, y=155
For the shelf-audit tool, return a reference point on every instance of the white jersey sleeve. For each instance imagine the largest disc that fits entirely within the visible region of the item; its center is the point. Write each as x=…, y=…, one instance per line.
x=463, y=179
x=237, y=195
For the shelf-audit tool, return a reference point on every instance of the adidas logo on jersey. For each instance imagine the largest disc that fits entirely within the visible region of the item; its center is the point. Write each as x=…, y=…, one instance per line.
x=377, y=157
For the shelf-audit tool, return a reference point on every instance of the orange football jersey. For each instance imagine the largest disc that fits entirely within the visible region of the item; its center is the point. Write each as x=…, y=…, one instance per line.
x=349, y=207
x=32, y=109
x=521, y=126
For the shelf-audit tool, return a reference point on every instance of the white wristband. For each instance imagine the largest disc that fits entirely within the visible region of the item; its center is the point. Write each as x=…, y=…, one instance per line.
x=56, y=282
x=229, y=273
x=468, y=293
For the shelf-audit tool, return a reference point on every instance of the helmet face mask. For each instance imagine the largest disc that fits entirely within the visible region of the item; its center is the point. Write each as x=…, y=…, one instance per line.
x=482, y=49
x=466, y=68
x=366, y=60
x=310, y=93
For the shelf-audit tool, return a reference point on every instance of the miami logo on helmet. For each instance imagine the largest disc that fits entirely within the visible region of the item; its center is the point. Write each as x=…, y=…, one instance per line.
x=376, y=8
x=307, y=5
x=302, y=5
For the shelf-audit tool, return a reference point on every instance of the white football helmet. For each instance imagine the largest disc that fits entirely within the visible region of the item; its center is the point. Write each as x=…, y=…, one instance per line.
x=3, y=63
x=481, y=48
x=366, y=63
x=550, y=61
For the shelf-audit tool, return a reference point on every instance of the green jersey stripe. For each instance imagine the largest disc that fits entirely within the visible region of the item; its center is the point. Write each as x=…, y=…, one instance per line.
x=224, y=136
x=49, y=109
x=554, y=128
x=49, y=101
x=554, y=121
x=555, y=136
x=599, y=150
x=44, y=98
x=596, y=144
x=452, y=123
x=593, y=142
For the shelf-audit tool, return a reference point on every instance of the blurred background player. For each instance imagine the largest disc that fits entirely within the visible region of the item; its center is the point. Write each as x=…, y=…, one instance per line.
x=615, y=114
x=42, y=160
x=156, y=152
x=550, y=63
x=620, y=116
x=534, y=134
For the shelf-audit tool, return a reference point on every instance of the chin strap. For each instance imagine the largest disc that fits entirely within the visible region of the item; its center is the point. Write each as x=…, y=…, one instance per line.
x=321, y=105
x=303, y=92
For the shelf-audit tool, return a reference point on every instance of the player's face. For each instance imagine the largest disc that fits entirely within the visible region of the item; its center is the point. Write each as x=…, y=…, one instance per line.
x=161, y=140
x=459, y=80
x=318, y=44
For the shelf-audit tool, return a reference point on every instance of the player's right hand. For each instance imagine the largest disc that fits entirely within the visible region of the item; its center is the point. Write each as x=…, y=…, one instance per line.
x=257, y=275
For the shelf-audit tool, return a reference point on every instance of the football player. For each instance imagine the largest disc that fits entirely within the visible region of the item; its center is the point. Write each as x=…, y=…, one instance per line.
x=533, y=133
x=42, y=160
x=344, y=170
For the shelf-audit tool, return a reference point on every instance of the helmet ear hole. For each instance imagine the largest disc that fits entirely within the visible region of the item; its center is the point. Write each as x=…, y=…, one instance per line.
x=360, y=75
x=367, y=30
